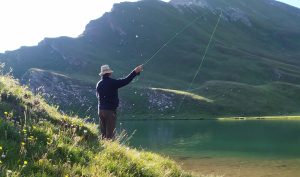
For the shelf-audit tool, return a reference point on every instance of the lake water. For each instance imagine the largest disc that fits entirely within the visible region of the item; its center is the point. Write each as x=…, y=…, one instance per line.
x=226, y=148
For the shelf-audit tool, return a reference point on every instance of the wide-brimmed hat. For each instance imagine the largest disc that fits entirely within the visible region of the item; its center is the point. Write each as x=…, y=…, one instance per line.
x=105, y=70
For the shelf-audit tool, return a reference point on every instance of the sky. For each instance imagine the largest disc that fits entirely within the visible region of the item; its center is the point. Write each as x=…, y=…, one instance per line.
x=27, y=22
x=295, y=3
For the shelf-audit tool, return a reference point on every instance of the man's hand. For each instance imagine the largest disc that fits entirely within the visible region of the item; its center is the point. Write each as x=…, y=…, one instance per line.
x=138, y=69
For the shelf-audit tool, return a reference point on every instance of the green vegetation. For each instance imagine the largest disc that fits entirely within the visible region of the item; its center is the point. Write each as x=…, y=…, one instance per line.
x=224, y=99
x=37, y=140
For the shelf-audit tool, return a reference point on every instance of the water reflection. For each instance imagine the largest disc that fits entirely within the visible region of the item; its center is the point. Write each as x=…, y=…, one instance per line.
x=198, y=138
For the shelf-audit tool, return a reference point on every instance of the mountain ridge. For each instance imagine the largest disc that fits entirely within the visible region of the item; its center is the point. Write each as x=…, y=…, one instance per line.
x=255, y=44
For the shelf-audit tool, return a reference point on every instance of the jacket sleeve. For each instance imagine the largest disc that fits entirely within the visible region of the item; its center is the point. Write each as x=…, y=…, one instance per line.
x=124, y=81
x=97, y=92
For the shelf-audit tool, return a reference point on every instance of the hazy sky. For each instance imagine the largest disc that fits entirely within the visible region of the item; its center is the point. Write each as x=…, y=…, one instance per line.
x=292, y=2
x=26, y=22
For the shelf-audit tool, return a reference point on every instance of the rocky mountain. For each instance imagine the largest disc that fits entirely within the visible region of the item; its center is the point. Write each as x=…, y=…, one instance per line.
x=252, y=66
x=61, y=90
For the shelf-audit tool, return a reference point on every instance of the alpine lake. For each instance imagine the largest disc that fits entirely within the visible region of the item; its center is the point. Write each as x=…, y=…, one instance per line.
x=238, y=148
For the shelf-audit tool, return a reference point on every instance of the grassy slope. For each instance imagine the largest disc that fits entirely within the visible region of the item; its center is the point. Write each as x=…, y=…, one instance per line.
x=36, y=140
x=216, y=99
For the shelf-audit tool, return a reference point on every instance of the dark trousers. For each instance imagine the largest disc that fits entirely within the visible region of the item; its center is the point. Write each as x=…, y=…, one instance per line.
x=107, y=120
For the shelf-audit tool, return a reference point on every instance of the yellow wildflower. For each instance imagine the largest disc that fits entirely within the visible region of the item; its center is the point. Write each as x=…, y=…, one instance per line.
x=5, y=113
x=25, y=162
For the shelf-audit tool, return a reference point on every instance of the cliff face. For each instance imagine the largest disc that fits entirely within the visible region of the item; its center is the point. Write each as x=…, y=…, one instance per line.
x=61, y=90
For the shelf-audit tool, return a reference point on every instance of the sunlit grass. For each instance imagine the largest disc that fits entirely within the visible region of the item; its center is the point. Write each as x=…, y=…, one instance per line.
x=185, y=93
x=261, y=118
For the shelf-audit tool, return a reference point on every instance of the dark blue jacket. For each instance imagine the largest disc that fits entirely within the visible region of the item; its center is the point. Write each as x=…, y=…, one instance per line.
x=107, y=91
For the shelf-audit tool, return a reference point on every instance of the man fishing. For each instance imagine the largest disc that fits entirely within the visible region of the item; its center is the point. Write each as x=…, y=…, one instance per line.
x=108, y=101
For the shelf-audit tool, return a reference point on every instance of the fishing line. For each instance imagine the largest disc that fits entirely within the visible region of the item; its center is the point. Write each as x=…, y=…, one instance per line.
x=173, y=37
x=203, y=58
x=170, y=40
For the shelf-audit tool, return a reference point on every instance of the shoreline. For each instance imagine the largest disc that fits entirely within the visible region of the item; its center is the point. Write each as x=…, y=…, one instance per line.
x=240, y=167
x=215, y=119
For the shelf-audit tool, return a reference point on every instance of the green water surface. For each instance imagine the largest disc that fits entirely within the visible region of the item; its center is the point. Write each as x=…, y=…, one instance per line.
x=201, y=138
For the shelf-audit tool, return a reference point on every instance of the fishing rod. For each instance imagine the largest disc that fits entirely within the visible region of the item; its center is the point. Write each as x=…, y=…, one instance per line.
x=203, y=58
